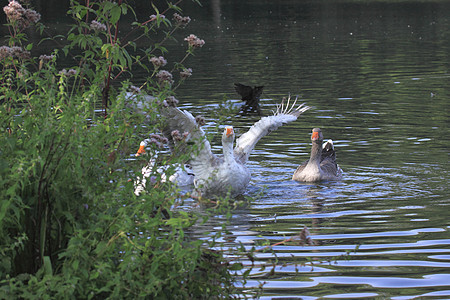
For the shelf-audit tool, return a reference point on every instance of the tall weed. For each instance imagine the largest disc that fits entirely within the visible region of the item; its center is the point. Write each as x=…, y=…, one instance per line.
x=70, y=223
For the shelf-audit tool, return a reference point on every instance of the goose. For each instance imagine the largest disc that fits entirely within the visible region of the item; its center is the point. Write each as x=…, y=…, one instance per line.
x=140, y=103
x=250, y=96
x=322, y=163
x=182, y=175
x=216, y=176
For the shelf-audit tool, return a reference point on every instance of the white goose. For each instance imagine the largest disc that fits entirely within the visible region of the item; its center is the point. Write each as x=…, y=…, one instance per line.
x=182, y=175
x=214, y=175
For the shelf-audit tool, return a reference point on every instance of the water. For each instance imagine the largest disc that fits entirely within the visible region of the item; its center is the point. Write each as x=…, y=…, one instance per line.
x=376, y=74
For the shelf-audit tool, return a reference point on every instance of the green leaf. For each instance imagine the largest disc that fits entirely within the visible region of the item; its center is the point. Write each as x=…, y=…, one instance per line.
x=48, y=270
x=108, y=5
x=124, y=8
x=101, y=247
x=236, y=267
x=115, y=14
x=75, y=264
x=4, y=208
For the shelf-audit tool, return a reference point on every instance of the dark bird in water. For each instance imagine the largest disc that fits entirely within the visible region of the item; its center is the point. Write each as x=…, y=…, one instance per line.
x=250, y=96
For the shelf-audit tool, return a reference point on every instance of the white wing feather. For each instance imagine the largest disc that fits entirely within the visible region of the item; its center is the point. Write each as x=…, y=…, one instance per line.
x=285, y=113
x=202, y=159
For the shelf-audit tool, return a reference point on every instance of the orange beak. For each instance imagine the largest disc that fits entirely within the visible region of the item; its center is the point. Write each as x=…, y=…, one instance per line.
x=141, y=150
x=315, y=136
x=229, y=131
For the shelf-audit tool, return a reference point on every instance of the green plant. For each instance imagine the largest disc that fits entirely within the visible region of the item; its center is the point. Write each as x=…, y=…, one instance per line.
x=70, y=224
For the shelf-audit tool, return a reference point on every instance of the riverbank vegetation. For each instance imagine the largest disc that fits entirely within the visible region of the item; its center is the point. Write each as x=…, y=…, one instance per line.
x=71, y=226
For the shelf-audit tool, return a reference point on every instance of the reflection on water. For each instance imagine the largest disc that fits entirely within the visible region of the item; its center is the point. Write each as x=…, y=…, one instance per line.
x=372, y=231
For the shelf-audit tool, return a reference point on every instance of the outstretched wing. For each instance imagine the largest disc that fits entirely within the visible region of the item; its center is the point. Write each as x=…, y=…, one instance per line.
x=244, y=90
x=202, y=159
x=285, y=113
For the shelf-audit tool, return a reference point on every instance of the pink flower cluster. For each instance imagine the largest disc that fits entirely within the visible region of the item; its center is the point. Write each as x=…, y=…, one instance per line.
x=32, y=15
x=70, y=72
x=16, y=13
x=153, y=17
x=14, y=51
x=164, y=77
x=46, y=58
x=158, y=61
x=170, y=101
x=179, y=137
x=97, y=26
x=194, y=41
x=181, y=21
x=158, y=140
x=135, y=89
x=186, y=73
x=200, y=120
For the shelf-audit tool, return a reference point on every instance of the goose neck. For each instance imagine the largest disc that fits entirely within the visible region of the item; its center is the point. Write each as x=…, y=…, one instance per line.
x=316, y=152
x=228, y=154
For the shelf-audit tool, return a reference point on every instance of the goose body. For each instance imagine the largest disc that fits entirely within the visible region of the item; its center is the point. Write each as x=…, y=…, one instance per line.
x=219, y=175
x=224, y=173
x=322, y=163
x=140, y=103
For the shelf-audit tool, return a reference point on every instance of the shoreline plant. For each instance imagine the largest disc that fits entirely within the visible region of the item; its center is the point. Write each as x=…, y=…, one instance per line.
x=70, y=223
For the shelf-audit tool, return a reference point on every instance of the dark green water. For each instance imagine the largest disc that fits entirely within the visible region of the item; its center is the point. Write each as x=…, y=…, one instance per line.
x=376, y=74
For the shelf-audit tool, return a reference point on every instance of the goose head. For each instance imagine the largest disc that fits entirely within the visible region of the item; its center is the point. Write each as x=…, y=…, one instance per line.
x=317, y=136
x=141, y=149
x=228, y=135
x=227, y=143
